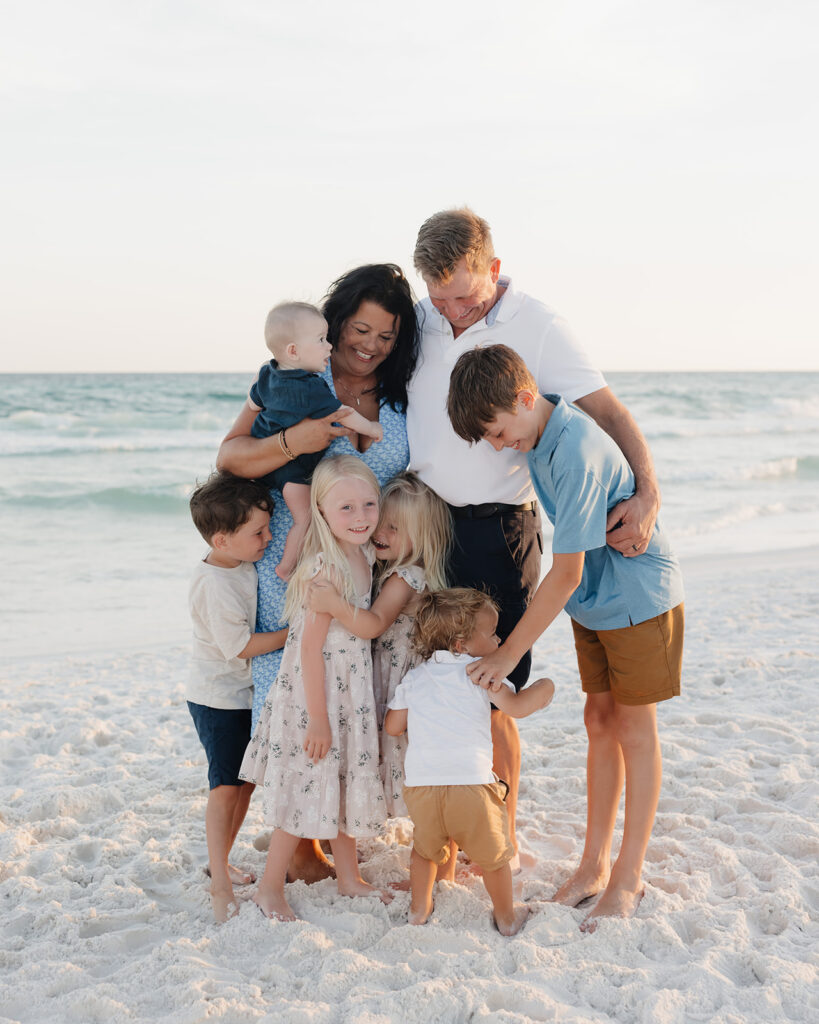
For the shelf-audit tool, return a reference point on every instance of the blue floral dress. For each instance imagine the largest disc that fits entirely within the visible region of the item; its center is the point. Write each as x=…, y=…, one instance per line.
x=385, y=459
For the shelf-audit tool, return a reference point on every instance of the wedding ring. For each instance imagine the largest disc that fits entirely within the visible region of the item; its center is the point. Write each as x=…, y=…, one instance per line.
x=634, y=547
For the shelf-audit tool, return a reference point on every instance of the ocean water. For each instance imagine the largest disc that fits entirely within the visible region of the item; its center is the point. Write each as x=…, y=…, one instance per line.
x=95, y=471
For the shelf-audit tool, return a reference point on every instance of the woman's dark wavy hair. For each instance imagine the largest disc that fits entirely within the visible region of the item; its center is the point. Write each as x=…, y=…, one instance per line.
x=385, y=285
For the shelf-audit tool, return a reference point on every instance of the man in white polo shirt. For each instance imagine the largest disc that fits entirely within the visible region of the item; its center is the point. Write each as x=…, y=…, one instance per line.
x=497, y=525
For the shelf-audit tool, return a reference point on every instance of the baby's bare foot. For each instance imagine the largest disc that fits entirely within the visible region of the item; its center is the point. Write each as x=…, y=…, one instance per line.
x=274, y=906
x=361, y=888
x=422, y=915
x=512, y=925
x=613, y=903
x=580, y=886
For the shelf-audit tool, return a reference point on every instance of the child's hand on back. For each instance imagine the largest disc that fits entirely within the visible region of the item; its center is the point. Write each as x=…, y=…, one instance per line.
x=318, y=739
x=322, y=597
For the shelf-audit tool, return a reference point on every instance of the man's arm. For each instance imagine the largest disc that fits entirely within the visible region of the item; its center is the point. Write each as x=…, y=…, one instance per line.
x=635, y=515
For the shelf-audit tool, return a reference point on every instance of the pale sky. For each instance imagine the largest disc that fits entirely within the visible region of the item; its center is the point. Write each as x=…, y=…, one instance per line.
x=173, y=169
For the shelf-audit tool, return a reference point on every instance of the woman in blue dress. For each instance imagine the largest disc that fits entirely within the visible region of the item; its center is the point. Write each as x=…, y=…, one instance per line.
x=371, y=326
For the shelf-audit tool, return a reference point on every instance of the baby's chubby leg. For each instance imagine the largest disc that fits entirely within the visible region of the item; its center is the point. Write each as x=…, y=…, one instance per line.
x=348, y=877
x=297, y=498
x=509, y=916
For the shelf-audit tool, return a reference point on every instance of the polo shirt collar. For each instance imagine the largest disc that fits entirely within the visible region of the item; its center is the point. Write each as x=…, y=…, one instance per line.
x=503, y=310
x=448, y=658
x=561, y=414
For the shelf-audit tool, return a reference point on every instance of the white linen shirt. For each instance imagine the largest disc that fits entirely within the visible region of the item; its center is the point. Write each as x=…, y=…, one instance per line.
x=464, y=474
x=223, y=609
x=448, y=723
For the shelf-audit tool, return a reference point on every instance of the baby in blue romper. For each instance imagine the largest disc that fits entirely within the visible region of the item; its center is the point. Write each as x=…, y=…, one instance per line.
x=287, y=390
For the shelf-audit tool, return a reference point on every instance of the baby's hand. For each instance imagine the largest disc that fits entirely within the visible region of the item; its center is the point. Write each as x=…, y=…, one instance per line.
x=321, y=596
x=318, y=739
x=377, y=432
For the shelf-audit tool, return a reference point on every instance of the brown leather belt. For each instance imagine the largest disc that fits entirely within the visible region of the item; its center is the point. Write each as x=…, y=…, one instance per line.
x=489, y=509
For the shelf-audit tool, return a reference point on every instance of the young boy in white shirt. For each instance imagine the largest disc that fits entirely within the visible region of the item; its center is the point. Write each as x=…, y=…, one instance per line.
x=233, y=516
x=452, y=795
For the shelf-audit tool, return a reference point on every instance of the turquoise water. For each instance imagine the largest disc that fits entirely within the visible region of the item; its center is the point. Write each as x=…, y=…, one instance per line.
x=95, y=471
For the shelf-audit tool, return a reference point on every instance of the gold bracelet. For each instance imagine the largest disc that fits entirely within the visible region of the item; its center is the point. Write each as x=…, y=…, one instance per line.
x=283, y=446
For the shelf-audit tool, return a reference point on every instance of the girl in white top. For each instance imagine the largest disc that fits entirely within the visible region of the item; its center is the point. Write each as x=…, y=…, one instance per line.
x=412, y=544
x=315, y=748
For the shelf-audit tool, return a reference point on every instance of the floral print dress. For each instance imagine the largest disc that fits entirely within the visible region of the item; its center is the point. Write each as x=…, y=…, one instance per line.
x=342, y=792
x=393, y=657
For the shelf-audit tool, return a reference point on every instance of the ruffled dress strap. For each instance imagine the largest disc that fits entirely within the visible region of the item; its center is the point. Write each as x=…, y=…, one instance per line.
x=414, y=575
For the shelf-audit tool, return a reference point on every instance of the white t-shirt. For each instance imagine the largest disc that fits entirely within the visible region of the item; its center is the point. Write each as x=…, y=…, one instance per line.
x=448, y=723
x=464, y=474
x=223, y=608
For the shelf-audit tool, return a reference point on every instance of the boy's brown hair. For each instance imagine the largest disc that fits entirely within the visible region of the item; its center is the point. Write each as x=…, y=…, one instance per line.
x=225, y=502
x=485, y=382
x=445, y=617
x=447, y=237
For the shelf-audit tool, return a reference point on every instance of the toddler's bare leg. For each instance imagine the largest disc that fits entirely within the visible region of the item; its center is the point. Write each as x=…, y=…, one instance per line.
x=297, y=499
x=509, y=916
x=640, y=744
x=219, y=817
x=270, y=896
x=604, y=783
x=422, y=879
x=348, y=877
x=446, y=872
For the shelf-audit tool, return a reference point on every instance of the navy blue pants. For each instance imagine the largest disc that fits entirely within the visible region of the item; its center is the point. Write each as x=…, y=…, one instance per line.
x=501, y=555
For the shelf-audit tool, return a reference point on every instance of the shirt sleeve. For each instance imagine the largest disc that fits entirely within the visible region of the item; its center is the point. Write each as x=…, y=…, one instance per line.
x=580, y=510
x=399, y=698
x=259, y=387
x=564, y=367
x=317, y=398
x=225, y=617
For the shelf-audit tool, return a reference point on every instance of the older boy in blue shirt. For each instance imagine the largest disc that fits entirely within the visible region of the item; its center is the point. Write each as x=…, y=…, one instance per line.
x=627, y=613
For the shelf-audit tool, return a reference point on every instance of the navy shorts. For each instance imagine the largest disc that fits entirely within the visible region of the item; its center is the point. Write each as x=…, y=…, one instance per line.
x=225, y=735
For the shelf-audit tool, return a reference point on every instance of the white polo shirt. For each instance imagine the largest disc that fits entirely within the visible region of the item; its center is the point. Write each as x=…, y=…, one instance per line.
x=464, y=474
x=448, y=723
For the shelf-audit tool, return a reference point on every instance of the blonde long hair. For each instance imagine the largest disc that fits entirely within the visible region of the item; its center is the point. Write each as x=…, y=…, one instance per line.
x=319, y=538
x=416, y=510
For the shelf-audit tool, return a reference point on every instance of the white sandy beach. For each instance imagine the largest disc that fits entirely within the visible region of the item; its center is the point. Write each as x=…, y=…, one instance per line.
x=105, y=907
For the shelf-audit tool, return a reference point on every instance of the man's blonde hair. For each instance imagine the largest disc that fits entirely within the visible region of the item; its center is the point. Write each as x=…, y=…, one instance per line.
x=320, y=540
x=448, y=237
x=281, y=322
x=445, y=617
x=416, y=510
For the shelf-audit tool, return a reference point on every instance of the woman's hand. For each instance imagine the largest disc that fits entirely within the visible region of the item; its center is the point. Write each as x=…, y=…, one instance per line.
x=322, y=596
x=318, y=739
x=315, y=435
x=490, y=672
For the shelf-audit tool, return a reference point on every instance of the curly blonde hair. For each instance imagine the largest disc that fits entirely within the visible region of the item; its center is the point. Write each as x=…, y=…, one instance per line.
x=446, y=617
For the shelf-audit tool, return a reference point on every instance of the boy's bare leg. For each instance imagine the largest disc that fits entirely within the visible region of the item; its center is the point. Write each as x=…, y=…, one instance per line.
x=604, y=783
x=509, y=916
x=270, y=896
x=245, y=791
x=308, y=863
x=637, y=735
x=348, y=877
x=297, y=499
x=219, y=818
x=506, y=747
x=422, y=879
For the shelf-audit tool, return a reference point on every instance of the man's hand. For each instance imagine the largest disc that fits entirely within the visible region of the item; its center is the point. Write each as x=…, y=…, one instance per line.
x=630, y=524
x=318, y=739
x=490, y=672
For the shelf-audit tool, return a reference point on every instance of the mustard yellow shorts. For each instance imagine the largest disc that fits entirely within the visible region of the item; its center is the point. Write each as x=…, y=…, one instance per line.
x=639, y=664
x=474, y=816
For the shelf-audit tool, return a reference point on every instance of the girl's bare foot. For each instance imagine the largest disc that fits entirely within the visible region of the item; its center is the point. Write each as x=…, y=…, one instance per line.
x=613, y=903
x=512, y=925
x=237, y=876
x=223, y=904
x=580, y=886
x=421, y=916
x=361, y=888
x=274, y=906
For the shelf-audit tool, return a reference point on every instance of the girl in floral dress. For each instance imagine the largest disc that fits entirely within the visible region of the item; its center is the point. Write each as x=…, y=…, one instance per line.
x=315, y=749
x=412, y=543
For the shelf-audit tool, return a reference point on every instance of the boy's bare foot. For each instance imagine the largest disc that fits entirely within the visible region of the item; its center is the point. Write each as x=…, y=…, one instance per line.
x=223, y=904
x=580, y=886
x=274, y=907
x=421, y=916
x=308, y=864
x=237, y=876
x=613, y=903
x=362, y=888
x=512, y=925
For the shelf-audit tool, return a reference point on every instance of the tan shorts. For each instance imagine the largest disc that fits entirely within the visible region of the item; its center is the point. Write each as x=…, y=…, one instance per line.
x=474, y=816
x=639, y=664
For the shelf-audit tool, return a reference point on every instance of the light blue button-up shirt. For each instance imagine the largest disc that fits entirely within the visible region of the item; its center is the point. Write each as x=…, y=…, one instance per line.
x=579, y=475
